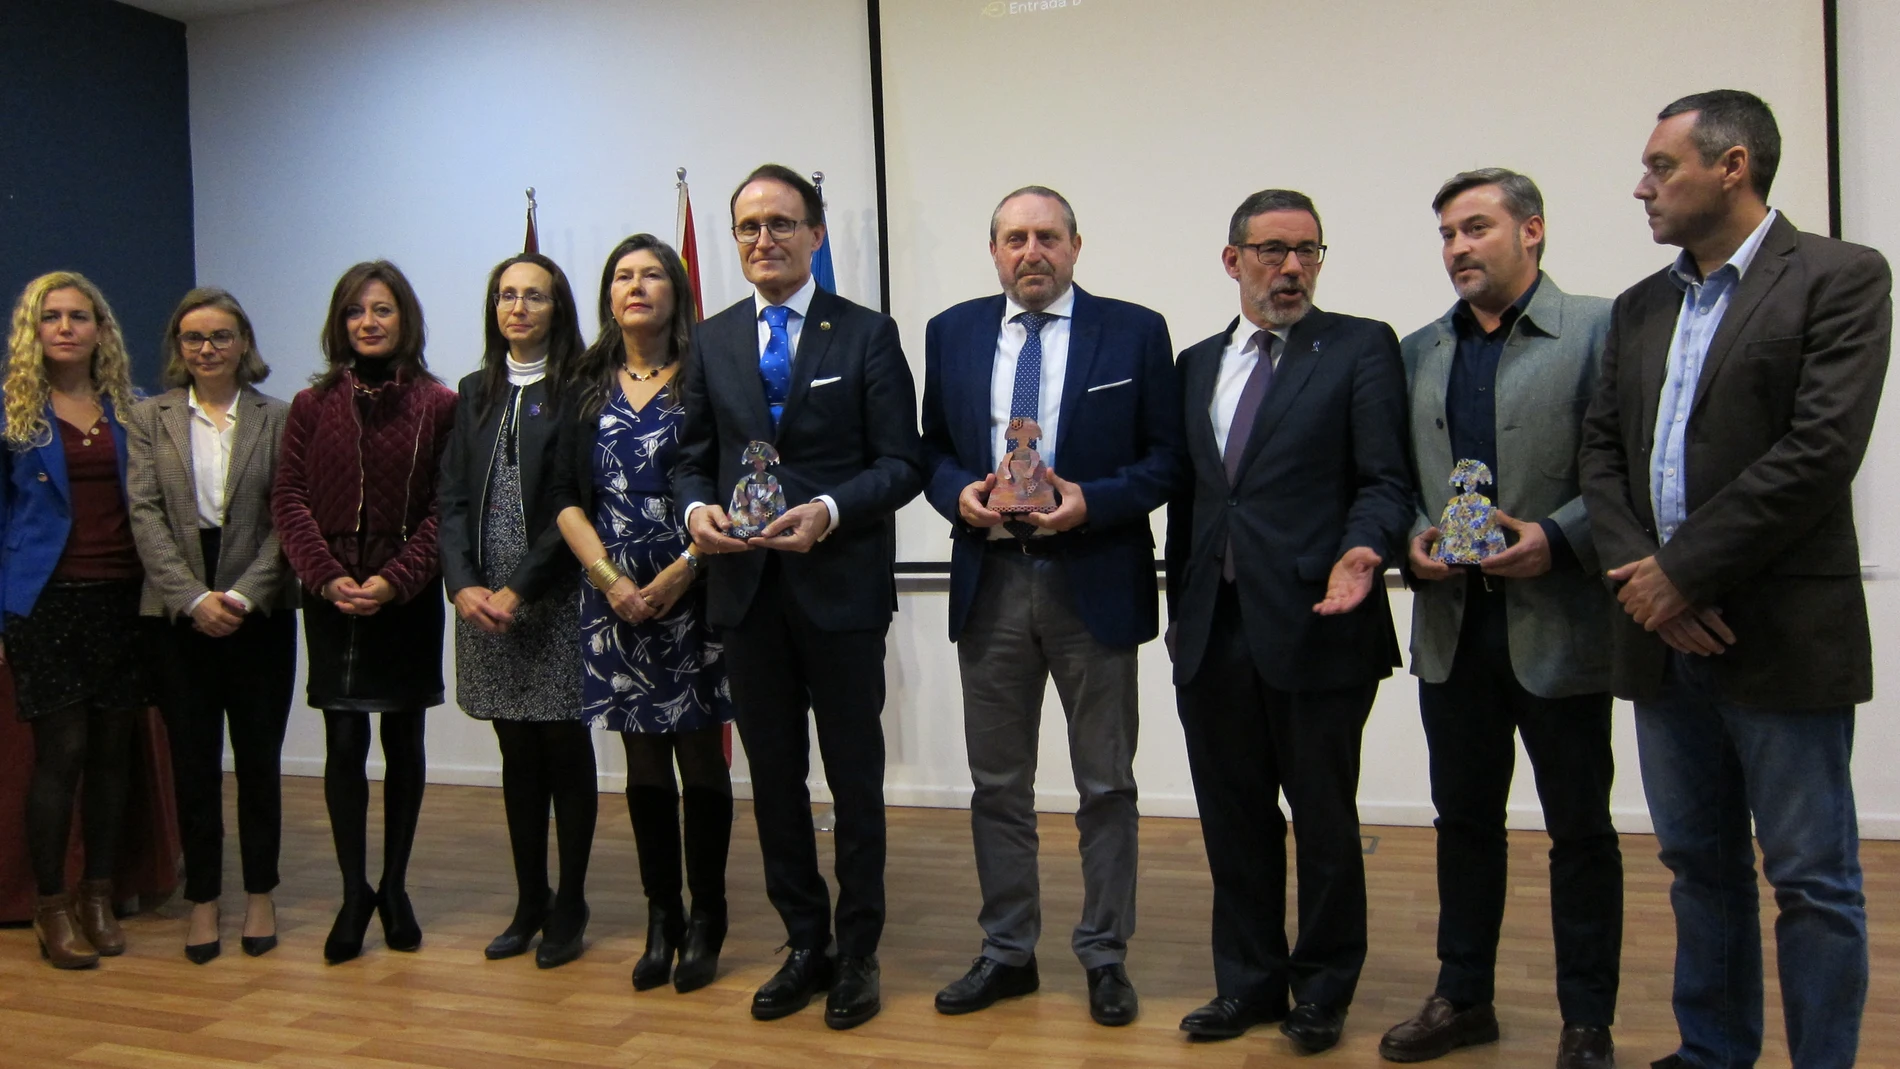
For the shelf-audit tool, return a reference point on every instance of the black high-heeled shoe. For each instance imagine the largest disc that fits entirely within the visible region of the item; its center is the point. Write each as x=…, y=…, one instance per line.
x=529, y=920
x=401, y=930
x=699, y=955
x=352, y=920
x=564, y=937
x=199, y=953
x=256, y=946
x=666, y=927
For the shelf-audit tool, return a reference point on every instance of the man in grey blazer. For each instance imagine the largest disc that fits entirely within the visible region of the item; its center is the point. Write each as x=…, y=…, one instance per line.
x=1738, y=393
x=1518, y=645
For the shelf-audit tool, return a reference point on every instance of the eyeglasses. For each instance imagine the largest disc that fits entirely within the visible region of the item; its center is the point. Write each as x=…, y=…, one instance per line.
x=536, y=302
x=781, y=229
x=220, y=340
x=1273, y=254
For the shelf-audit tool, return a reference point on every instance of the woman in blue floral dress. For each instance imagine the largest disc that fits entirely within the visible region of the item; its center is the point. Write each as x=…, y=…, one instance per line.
x=652, y=669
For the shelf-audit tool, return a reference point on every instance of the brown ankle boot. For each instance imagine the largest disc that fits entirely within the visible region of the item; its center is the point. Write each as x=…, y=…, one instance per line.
x=92, y=908
x=60, y=940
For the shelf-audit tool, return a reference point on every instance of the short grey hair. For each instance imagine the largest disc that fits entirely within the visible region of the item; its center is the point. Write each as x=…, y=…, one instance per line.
x=1271, y=200
x=1068, y=213
x=1521, y=196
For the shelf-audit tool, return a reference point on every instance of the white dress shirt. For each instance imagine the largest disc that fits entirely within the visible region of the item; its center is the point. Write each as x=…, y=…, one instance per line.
x=210, y=471
x=1010, y=339
x=1237, y=362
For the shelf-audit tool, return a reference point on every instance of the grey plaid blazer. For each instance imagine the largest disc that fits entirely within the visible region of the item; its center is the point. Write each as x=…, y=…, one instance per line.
x=164, y=505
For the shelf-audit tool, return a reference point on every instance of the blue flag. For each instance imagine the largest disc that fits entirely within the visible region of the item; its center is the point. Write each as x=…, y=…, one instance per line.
x=821, y=267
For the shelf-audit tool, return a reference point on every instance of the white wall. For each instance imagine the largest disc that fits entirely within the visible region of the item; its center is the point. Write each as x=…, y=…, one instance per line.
x=333, y=131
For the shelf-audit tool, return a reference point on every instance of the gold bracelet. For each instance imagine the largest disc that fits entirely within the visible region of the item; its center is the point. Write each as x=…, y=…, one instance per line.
x=603, y=574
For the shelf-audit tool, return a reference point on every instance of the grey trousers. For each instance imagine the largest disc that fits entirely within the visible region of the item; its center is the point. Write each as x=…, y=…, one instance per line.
x=1021, y=631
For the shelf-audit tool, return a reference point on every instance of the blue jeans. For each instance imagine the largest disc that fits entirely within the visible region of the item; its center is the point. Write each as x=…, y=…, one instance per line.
x=1708, y=765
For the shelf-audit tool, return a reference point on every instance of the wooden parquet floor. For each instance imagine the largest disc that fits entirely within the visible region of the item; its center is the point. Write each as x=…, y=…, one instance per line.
x=447, y=1006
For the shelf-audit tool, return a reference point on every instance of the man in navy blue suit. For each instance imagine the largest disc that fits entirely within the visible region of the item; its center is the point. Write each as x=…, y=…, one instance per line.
x=1067, y=594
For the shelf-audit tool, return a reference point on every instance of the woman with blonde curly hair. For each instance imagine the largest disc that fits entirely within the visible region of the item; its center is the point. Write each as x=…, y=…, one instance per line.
x=70, y=626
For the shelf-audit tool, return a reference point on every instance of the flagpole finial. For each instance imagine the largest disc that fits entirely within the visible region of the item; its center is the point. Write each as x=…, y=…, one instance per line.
x=530, y=196
x=681, y=172
x=818, y=178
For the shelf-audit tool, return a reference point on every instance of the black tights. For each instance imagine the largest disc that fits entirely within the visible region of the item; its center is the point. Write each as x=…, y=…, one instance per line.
x=346, y=792
x=68, y=745
x=653, y=805
x=543, y=763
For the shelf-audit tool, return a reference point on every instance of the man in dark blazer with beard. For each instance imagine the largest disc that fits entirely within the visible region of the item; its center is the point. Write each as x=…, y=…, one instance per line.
x=803, y=608
x=1297, y=498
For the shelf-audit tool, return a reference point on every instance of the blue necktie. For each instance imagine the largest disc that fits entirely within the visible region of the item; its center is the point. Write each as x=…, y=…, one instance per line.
x=775, y=367
x=1026, y=399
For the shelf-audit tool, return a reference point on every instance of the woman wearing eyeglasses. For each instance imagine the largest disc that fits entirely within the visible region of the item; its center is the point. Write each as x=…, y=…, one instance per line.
x=516, y=591
x=71, y=597
x=654, y=672
x=202, y=457
x=355, y=506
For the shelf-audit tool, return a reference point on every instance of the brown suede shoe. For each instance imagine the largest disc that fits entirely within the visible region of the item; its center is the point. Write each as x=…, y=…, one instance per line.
x=1438, y=1030
x=60, y=940
x=92, y=908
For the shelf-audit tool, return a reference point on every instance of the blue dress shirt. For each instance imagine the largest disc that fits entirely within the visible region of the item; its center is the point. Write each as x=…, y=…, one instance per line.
x=1704, y=302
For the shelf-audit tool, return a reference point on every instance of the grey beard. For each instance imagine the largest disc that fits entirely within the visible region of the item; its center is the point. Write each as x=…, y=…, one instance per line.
x=1286, y=319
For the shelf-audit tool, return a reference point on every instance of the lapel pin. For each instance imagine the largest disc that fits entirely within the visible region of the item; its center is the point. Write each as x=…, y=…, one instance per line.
x=824, y=324
x=1316, y=347
x=534, y=410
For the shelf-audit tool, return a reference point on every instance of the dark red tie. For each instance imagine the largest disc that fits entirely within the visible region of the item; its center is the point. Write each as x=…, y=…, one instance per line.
x=1251, y=395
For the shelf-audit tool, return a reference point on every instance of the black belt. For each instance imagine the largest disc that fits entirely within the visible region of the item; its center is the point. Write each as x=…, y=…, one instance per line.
x=1040, y=546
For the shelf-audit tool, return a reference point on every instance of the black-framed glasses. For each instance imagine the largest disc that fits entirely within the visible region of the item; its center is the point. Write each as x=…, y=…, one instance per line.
x=219, y=339
x=535, y=300
x=781, y=230
x=1274, y=253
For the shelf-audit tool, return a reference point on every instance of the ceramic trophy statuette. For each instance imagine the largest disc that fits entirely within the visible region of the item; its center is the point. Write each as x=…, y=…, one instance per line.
x=758, y=499
x=1022, y=480
x=1468, y=532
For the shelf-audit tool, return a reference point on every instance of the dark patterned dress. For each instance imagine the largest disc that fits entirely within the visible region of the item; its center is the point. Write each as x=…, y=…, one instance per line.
x=659, y=675
x=531, y=672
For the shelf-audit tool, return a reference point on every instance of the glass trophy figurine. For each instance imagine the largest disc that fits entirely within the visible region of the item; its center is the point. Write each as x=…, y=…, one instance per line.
x=1468, y=532
x=758, y=499
x=1022, y=480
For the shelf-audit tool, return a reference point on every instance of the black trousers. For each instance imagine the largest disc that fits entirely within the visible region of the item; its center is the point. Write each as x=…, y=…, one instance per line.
x=781, y=665
x=1247, y=742
x=246, y=677
x=1470, y=720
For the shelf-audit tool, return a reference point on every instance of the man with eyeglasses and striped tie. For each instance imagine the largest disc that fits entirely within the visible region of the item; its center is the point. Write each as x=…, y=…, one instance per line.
x=1297, y=497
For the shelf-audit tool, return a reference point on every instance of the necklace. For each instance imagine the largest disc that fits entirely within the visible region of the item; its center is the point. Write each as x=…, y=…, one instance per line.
x=649, y=376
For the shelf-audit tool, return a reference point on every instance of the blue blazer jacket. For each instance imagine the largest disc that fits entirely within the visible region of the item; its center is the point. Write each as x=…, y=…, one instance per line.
x=1119, y=440
x=36, y=513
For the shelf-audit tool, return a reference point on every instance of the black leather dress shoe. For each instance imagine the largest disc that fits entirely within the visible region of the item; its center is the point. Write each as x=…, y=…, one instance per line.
x=856, y=993
x=1437, y=1030
x=564, y=937
x=1111, y=997
x=1313, y=1028
x=804, y=974
x=1585, y=1046
x=987, y=981
x=1227, y=1018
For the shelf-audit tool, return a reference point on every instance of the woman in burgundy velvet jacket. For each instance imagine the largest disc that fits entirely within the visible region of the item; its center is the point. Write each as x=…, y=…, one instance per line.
x=355, y=506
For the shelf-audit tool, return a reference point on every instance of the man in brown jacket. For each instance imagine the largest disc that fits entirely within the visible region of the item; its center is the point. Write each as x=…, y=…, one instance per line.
x=1738, y=393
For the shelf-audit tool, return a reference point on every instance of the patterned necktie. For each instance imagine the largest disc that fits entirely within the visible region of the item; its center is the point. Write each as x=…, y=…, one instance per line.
x=1026, y=400
x=775, y=366
x=1238, y=431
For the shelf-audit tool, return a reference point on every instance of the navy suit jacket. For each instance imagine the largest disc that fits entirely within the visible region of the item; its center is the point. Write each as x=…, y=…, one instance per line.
x=36, y=512
x=848, y=429
x=1324, y=470
x=1119, y=439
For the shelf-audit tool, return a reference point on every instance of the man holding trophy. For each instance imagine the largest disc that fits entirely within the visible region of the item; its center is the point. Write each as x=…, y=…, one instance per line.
x=1510, y=622
x=1051, y=431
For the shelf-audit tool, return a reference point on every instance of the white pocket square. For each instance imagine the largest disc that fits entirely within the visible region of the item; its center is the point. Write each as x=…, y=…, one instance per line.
x=1108, y=385
x=815, y=383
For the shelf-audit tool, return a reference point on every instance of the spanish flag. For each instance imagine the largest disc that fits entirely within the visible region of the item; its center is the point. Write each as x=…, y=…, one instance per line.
x=688, y=246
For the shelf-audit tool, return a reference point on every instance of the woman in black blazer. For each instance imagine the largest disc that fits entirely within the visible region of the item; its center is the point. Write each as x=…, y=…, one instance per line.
x=200, y=460
x=516, y=591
